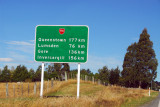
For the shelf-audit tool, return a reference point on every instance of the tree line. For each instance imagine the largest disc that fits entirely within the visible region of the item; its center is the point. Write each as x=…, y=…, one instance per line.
x=139, y=68
x=56, y=71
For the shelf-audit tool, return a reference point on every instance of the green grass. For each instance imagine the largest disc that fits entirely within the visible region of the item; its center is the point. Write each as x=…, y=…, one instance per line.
x=140, y=101
x=71, y=90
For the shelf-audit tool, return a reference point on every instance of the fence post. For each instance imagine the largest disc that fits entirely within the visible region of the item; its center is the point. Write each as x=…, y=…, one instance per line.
x=75, y=76
x=86, y=78
x=149, y=92
x=93, y=80
x=18, y=88
x=52, y=83
x=22, y=88
x=35, y=86
x=28, y=88
x=39, y=86
x=68, y=76
x=99, y=82
x=71, y=75
x=13, y=90
x=47, y=85
x=65, y=76
x=7, y=90
x=44, y=85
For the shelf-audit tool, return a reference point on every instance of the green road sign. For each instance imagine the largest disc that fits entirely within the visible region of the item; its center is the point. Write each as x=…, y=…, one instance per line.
x=61, y=44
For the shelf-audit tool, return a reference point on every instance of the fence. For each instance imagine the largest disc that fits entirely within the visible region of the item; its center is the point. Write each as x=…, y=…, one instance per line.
x=24, y=89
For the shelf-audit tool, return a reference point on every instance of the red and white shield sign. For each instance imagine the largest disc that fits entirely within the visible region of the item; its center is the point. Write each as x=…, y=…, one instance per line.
x=61, y=31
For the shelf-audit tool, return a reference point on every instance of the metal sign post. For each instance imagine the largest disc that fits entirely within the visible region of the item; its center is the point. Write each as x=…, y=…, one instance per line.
x=42, y=79
x=78, y=81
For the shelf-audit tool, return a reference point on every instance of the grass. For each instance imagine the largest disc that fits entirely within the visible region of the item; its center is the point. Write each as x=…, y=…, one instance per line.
x=140, y=101
x=91, y=95
x=71, y=90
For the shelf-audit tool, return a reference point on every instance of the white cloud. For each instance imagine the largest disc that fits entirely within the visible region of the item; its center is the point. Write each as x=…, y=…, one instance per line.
x=27, y=47
x=19, y=52
x=6, y=59
x=20, y=43
x=17, y=56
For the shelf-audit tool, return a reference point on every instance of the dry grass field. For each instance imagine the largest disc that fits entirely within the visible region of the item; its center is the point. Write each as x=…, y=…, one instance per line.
x=25, y=89
x=91, y=95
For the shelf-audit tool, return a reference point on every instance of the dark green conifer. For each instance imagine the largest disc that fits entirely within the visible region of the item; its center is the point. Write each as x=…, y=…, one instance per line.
x=140, y=63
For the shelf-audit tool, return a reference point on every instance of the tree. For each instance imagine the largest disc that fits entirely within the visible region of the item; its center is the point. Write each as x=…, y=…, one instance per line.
x=96, y=76
x=114, y=76
x=53, y=75
x=146, y=60
x=5, y=76
x=12, y=72
x=88, y=71
x=61, y=68
x=37, y=75
x=129, y=73
x=0, y=71
x=12, y=69
x=104, y=74
x=50, y=71
x=31, y=74
x=84, y=72
x=57, y=68
x=46, y=75
x=20, y=73
x=74, y=71
x=140, y=63
x=66, y=67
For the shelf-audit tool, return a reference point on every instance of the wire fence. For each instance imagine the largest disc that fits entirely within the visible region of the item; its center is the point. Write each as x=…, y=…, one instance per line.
x=28, y=89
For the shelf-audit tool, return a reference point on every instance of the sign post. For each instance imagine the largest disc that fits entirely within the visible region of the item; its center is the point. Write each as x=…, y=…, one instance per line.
x=149, y=92
x=78, y=81
x=61, y=44
x=42, y=79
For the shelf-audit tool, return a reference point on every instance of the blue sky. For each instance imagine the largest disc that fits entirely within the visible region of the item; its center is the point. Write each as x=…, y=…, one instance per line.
x=113, y=24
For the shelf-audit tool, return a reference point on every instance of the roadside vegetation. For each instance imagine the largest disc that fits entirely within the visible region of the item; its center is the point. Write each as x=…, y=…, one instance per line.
x=141, y=101
x=91, y=95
